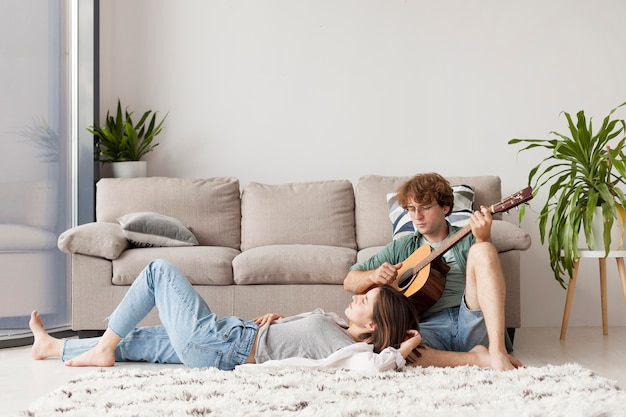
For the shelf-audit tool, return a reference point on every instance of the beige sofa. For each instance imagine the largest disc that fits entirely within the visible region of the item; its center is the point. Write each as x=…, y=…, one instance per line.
x=261, y=248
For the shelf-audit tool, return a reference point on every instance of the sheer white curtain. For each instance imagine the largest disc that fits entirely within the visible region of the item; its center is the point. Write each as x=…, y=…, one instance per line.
x=35, y=143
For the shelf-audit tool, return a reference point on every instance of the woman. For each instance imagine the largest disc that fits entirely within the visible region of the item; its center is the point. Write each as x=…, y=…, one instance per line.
x=192, y=335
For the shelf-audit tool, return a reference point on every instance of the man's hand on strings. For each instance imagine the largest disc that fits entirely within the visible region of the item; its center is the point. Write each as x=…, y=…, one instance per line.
x=386, y=273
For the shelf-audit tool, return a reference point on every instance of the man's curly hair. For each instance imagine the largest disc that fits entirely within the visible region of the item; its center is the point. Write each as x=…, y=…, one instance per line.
x=426, y=188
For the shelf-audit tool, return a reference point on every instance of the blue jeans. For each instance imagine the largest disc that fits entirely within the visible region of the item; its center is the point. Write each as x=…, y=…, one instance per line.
x=191, y=334
x=455, y=329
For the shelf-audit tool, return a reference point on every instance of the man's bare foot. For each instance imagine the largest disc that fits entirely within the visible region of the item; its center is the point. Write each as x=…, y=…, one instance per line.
x=95, y=356
x=481, y=356
x=44, y=346
x=501, y=361
x=515, y=362
x=484, y=359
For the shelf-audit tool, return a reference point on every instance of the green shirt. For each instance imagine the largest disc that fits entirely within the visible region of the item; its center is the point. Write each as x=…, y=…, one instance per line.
x=456, y=258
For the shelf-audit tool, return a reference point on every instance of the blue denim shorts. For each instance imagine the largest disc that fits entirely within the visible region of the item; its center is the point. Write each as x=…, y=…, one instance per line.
x=456, y=329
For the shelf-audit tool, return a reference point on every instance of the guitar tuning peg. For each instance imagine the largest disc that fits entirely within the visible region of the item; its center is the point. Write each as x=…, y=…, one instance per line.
x=526, y=204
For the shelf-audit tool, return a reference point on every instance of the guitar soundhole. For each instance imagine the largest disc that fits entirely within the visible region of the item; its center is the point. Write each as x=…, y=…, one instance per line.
x=406, y=279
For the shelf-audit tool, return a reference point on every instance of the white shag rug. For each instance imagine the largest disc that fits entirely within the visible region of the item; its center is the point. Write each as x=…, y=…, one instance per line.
x=565, y=390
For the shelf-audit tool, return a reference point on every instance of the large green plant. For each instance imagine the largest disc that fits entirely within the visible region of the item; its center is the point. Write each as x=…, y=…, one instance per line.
x=583, y=171
x=122, y=140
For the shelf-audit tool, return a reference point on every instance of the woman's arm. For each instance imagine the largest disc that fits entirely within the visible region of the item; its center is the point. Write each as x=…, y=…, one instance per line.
x=267, y=319
x=414, y=340
x=336, y=318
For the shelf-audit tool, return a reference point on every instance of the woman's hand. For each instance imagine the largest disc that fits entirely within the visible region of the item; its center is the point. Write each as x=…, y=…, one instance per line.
x=413, y=340
x=267, y=319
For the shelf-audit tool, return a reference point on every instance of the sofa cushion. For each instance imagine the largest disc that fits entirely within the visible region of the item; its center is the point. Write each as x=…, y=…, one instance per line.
x=293, y=264
x=104, y=240
x=147, y=229
x=402, y=225
x=506, y=236
x=210, y=207
x=202, y=265
x=313, y=213
x=366, y=253
x=371, y=213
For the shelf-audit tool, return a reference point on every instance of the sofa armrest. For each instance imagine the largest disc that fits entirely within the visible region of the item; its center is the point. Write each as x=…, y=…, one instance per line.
x=506, y=236
x=100, y=239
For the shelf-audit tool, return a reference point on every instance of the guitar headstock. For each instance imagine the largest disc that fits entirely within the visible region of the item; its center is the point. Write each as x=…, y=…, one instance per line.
x=513, y=200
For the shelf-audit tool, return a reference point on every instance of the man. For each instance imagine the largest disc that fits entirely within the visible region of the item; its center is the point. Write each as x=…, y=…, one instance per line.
x=470, y=310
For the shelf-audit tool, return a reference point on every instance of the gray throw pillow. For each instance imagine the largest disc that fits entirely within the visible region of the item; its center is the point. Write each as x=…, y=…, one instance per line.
x=147, y=229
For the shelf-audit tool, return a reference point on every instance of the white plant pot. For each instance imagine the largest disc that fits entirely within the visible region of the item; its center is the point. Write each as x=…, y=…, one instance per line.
x=129, y=169
x=617, y=234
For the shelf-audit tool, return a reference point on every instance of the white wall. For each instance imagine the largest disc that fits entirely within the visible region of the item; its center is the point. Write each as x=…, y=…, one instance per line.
x=291, y=90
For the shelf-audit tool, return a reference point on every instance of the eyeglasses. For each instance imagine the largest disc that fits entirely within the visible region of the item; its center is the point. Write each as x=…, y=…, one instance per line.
x=420, y=209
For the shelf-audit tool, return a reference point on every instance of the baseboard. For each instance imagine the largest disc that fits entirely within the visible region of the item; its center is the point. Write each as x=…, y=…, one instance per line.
x=86, y=334
x=28, y=340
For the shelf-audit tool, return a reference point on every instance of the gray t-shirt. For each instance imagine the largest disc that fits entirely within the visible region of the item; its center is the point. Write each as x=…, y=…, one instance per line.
x=455, y=281
x=313, y=336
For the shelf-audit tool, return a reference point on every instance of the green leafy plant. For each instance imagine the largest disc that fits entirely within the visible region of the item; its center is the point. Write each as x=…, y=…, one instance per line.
x=122, y=140
x=582, y=171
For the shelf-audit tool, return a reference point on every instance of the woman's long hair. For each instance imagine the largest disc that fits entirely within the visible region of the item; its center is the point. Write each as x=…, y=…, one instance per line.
x=394, y=314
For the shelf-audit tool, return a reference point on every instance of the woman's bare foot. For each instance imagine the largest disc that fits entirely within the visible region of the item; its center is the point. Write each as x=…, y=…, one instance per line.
x=102, y=354
x=44, y=346
x=95, y=356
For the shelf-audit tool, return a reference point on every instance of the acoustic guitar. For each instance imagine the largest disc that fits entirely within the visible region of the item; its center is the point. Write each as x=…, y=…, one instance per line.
x=422, y=276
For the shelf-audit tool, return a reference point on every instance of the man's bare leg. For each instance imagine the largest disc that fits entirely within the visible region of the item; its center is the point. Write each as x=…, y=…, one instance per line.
x=478, y=356
x=103, y=354
x=485, y=290
x=44, y=346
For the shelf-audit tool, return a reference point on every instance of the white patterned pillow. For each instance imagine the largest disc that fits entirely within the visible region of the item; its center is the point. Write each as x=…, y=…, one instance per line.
x=402, y=225
x=463, y=205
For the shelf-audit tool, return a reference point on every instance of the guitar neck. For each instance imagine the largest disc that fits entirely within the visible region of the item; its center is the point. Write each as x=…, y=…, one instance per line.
x=445, y=247
x=449, y=243
x=511, y=201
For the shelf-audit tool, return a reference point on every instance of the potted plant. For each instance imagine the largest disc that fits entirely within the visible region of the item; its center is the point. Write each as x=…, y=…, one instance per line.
x=583, y=171
x=123, y=141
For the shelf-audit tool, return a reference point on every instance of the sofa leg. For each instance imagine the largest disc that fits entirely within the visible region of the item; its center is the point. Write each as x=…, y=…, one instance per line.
x=511, y=332
x=86, y=334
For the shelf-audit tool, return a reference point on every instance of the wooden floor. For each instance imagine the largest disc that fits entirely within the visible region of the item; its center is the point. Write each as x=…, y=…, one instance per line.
x=23, y=380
